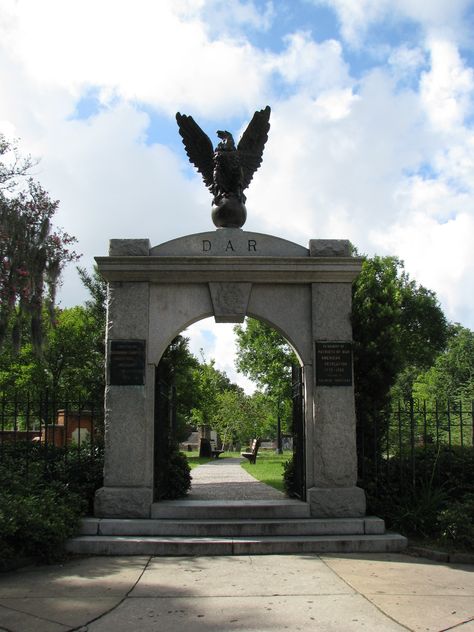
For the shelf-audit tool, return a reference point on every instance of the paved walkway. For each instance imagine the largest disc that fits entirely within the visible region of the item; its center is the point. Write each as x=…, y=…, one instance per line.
x=325, y=593
x=225, y=479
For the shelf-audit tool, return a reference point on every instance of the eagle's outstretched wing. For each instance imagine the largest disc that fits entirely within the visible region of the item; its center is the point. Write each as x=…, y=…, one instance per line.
x=251, y=144
x=198, y=146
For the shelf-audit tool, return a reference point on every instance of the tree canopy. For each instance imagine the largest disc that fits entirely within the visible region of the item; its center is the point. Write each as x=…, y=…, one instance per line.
x=265, y=357
x=396, y=324
x=70, y=366
x=210, y=383
x=71, y=363
x=452, y=374
x=239, y=417
x=32, y=252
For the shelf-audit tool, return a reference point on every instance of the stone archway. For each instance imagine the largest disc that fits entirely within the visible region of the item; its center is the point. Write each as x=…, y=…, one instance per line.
x=154, y=293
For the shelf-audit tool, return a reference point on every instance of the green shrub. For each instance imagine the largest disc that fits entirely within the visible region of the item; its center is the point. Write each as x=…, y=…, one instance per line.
x=456, y=523
x=172, y=476
x=44, y=491
x=38, y=522
x=434, y=501
x=83, y=473
x=289, y=482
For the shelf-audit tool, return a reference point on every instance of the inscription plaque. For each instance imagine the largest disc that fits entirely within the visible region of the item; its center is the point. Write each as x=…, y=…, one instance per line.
x=127, y=362
x=333, y=364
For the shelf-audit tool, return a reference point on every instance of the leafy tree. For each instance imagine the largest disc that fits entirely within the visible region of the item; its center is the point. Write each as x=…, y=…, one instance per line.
x=178, y=366
x=239, y=418
x=96, y=307
x=230, y=416
x=73, y=361
x=32, y=253
x=210, y=382
x=13, y=166
x=70, y=366
x=263, y=413
x=265, y=357
x=398, y=329
x=97, y=303
x=452, y=374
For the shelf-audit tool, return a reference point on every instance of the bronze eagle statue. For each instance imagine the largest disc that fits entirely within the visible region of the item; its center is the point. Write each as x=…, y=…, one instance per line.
x=227, y=170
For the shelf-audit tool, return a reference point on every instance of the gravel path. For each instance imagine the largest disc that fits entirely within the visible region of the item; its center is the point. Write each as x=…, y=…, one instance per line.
x=225, y=479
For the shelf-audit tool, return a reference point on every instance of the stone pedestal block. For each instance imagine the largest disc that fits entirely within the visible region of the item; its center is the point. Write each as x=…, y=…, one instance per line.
x=332, y=308
x=128, y=431
x=335, y=464
x=129, y=247
x=329, y=248
x=123, y=502
x=337, y=502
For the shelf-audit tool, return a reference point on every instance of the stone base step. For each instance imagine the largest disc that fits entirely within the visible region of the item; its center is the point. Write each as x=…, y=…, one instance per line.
x=233, y=528
x=229, y=509
x=175, y=546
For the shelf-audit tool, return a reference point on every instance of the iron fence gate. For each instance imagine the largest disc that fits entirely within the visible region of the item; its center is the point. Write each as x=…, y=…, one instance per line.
x=164, y=422
x=394, y=443
x=298, y=432
x=43, y=420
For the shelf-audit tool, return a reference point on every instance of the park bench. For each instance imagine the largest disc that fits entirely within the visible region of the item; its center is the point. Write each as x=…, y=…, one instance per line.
x=215, y=452
x=252, y=455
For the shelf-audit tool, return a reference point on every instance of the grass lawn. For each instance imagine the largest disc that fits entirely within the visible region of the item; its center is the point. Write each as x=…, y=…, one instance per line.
x=269, y=468
x=194, y=459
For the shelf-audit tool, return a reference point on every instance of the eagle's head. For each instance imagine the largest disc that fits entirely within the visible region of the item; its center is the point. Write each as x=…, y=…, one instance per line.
x=227, y=141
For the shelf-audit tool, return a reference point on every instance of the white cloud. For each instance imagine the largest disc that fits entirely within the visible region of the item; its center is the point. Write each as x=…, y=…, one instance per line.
x=388, y=166
x=353, y=177
x=447, y=88
x=162, y=54
x=314, y=67
x=230, y=17
x=405, y=61
x=434, y=16
x=113, y=185
x=143, y=51
x=456, y=162
x=355, y=17
x=439, y=256
x=437, y=16
x=339, y=166
x=335, y=105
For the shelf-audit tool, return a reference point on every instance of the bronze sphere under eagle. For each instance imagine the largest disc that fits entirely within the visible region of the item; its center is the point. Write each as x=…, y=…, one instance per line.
x=226, y=170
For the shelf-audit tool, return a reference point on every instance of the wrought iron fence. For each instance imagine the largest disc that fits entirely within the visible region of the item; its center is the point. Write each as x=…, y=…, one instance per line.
x=45, y=442
x=393, y=443
x=43, y=421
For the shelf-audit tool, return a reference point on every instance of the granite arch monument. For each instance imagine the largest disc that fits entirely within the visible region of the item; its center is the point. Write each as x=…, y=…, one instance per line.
x=156, y=292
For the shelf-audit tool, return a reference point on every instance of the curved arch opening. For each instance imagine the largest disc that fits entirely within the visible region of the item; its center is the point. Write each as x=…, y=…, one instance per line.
x=226, y=386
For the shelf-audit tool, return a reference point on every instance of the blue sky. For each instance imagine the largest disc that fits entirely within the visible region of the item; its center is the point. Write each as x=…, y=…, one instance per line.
x=372, y=128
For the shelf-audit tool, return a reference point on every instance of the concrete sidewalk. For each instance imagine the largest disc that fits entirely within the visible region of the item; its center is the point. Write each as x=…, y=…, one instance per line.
x=253, y=593
x=226, y=479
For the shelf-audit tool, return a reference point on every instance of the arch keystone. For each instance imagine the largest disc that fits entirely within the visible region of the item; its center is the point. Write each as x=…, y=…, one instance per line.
x=230, y=301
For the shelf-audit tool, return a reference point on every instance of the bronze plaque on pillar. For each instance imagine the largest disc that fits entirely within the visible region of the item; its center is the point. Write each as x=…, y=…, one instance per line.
x=127, y=362
x=333, y=364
